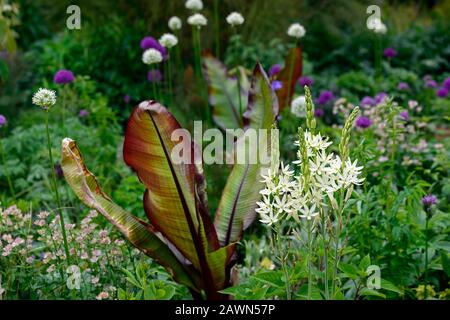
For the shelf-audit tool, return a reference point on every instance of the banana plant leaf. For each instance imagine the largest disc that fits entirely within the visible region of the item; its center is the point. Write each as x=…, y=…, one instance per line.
x=141, y=234
x=223, y=94
x=288, y=76
x=236, y=209
x=175, y=199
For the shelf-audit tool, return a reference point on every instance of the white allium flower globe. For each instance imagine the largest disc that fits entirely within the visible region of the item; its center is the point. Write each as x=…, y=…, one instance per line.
x=168, y=40
x=175, y=23
x=152, y=56
x=379, y=27
x=296, y=30
x=198, y=20
x=235, y=19
x=298, y=107
x=44, y=98
x=196, y=5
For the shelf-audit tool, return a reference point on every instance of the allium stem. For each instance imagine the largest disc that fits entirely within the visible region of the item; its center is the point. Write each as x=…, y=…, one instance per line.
x=55, y=187
x=171, y=93
x=426, y=253
x=6, y=171
x=155, y=94
x=216, y=27
x=291, y=73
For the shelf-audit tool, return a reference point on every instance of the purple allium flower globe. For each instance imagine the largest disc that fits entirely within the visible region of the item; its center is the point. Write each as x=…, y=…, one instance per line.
x=63, y=76
x=363, y=122
x=83, y=113
x=429, y=200
x=276, y=85
x=403, y=86
x=446, y=83
x=2, y=120
x=152, y=43
x=367, y=101
x=380, y=97
x=404, y=115
x=390, y=53
x=154, y=76
x=126, y=99
x=430, y=83
x=442, y=92
x=319, y=113
x=276, y=68
x=305, y=81
x=325, y=97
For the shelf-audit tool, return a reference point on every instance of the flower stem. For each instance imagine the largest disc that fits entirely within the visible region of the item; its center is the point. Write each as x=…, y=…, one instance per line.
x=171, y=93
x=309, y=261
x=282, y=257
x=325, y=253
x=155, y=94
x=216, y=22
x=426, y=254
x=6, y=171
x=291, y=73
x=55, y=187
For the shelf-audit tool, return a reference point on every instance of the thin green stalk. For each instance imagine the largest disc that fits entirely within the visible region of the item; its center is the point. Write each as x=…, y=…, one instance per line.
x=155, y=94
x=239, y=92
x=64, y=110
x=426, y=254
x=325, y=252
x=309, y=261
x=6, y=171
x=291, y=71
x=337, y=236
x=282, y=257
x=377, y=57
x=216, y=27
x=55, y=187
x=171, y=93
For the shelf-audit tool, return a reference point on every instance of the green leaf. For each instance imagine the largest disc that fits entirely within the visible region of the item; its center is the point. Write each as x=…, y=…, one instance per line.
x=272, y=278
x=223, y=94
x=365, y=262
x=386, y=285
x=237, y=206
x=349, y=270
x=371, y=292
x=139, y=233
x=4, y=71
x=445, y=263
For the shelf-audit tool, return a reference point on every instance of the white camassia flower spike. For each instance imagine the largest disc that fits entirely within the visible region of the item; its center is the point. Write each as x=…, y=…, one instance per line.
x=152, y=56
x=175, y=23
x=168, y=40
x=44, y=98
x=235, y=19
x=197, y=20
x=296, y=30
x=195, y=5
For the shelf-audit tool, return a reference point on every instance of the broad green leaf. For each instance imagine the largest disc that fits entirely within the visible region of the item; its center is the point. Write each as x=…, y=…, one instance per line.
x=445, y=263
x=4, y=71
x=288, y=76
x=349, y=270
x=175, y=199
x=170, y=200
x=272, y=278
x=371, y=292
x=386, y=285
x=141, y=234
x=224, y=94
x=236, y=209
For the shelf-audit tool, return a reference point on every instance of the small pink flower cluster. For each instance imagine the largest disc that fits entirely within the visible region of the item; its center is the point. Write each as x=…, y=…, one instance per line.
x=37, y=240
